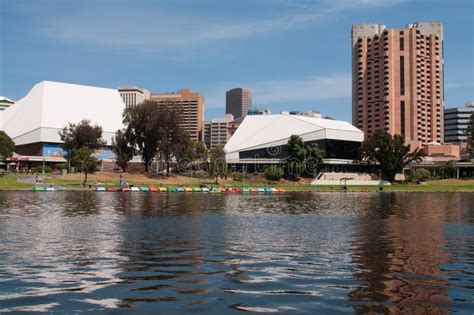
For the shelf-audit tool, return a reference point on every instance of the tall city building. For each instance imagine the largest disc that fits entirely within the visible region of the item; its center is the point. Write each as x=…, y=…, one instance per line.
x=191, y=106
x=237, y=102
x=133, y=95
x=456, y=121
x=216, y=131
x=397, y=81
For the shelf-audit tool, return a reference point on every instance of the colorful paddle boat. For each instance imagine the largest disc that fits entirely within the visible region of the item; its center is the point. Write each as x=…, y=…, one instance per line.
x=162, y=189
x=110, y=189
x=204, y=189
x=39, y=188
x=134, y=189
x=153, y=188
x=188, y=189
x=144, y=189
x=100, y=188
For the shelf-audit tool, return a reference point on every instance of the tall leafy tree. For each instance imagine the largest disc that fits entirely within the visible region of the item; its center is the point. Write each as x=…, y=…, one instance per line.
x=7, y=146
x=85, y=161
x=296, y=156
x=192, y=151
x=123, y=150
x=142, y=123
x=301, y=158
x=314, y=157
x=218, y=164
x=390, y=153
x=83, y=134
x=171, y=135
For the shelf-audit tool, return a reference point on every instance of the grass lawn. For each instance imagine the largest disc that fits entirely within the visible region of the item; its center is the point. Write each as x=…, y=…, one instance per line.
x=9, y=182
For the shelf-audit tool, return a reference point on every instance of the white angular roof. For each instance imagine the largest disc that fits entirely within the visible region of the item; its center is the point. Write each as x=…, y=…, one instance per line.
x=49, y=106
x=261, y=131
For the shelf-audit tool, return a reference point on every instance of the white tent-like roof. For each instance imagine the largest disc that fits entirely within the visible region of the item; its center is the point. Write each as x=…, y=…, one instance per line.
x=49, y=106
x=263, y=131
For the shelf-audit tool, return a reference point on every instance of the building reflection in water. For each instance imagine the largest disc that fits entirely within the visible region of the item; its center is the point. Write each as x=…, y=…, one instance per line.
x=398, y=247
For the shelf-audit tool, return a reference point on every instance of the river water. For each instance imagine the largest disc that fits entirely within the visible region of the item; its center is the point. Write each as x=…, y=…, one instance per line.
x=122, y=253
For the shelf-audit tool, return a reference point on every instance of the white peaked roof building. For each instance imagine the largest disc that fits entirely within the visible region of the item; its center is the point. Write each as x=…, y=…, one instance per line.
x=49, y=106
x=264, y=137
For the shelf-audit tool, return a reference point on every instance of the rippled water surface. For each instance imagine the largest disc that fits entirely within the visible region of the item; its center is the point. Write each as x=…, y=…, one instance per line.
x=181, y=253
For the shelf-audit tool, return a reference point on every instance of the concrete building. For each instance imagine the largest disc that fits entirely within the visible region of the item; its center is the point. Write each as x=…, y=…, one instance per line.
x=259, y=111
x=216, y=131
x=35, y=120
x=262, y=139
x=456, y=121
x=397, y=81
x=5, y=102
x=191, y=104
x=237, y=102
x=133, y=95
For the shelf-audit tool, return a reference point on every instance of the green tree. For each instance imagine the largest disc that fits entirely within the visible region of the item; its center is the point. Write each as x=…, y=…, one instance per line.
x=84, y=160
x=390, y=153
x=420, y=174
x=301, y=158
x=218, y=163
x=83, y=134
x=142, y=123
x=123, y=150
x=172, y=137
x=192, y=151
x=7, y=146
x=314, y=158
x=447, y=170
x=273, y=172
x=296, y=156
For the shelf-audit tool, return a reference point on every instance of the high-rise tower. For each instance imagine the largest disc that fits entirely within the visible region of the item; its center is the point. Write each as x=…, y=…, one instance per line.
x=397, y=81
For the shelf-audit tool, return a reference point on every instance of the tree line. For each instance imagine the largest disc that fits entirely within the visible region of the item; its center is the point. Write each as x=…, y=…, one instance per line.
x=155, y=132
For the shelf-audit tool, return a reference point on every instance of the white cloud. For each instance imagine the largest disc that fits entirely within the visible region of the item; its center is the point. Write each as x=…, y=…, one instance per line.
x=121, y=27
x=289, y=91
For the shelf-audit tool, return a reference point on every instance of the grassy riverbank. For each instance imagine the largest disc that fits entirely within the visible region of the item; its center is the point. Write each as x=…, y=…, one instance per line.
x=74, y=181
x=8, y=182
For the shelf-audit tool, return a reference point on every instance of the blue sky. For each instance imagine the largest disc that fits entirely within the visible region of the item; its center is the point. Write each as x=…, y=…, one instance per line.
x=293, y=54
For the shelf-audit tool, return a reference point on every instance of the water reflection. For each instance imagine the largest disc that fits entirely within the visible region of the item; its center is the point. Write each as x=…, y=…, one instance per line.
x=302, y=252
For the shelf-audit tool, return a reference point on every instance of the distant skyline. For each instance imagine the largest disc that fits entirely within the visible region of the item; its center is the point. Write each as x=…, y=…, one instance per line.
x=293, y=55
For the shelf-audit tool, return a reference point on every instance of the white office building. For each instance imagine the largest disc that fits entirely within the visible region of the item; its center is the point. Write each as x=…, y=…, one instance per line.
x=35, y=120
x=216, y=131
x=133, y=95
x=263, y=138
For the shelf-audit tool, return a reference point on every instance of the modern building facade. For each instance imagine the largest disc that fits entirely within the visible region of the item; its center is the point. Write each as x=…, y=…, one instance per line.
x=133, y=95
x=262, y=139
x=238, y=101
x=34, y=121
x=216, y=131
x=190, y=104
x=456, y=121
x=397, y=81
x=5, y=102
